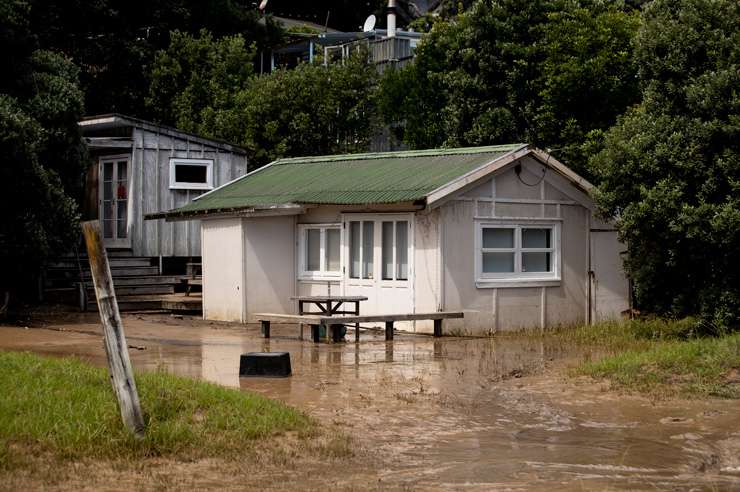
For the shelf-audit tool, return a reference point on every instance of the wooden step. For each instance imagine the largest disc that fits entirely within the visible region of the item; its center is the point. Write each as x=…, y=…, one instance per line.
x=135, y=303
x=133, y=290
x=72, y=263
x=127, y=272
x=169, y=302
x=147, y=280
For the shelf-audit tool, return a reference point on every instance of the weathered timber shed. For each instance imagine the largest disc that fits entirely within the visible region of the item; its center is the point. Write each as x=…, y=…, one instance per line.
x=505, y=233
x=139, y=167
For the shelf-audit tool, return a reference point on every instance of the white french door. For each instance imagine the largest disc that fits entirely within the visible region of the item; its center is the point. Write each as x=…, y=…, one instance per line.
x=114, y=200
x=378, y=253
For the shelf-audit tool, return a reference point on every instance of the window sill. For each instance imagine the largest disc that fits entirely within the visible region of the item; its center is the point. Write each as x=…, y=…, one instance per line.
x=195, y=186
x=513, y=283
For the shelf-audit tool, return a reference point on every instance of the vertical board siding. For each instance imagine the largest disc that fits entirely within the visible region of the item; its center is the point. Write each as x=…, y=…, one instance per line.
x=150, y=191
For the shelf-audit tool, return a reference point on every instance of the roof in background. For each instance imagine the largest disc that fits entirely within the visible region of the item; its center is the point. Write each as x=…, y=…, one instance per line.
x=352, y=179
x=288, y=22
x=116, y=120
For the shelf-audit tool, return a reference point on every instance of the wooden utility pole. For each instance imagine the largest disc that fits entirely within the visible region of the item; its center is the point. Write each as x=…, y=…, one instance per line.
x=121, y=373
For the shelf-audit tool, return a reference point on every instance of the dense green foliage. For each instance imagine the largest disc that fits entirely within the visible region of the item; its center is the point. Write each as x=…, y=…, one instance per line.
x=311, y=110
x=670, y=170
x=202, y=84
x=196, y=82
x=43, y=152
x=546, y=72
x=114, y=41
x=68, y=408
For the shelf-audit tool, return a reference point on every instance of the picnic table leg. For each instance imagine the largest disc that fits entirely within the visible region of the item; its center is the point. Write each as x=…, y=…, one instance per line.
x=437, y=327
x=315, y=332
x=357, y=325
x=265, y=328
x=389, y=330
x=335, y=331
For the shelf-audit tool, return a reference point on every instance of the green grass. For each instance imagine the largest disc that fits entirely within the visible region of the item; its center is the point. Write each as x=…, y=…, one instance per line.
x=68, y=408
x=696, y=367
x=659, y=357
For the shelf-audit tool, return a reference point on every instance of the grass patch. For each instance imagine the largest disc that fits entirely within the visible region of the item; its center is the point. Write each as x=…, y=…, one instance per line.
x=68, y=408
x=660, y=357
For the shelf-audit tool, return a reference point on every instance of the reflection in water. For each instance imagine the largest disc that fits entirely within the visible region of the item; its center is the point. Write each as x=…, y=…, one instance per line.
x=447, y=412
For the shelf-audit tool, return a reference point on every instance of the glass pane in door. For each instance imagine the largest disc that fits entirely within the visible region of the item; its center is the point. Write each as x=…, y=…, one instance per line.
x=387, y=250
x=368, y=238
x=402, y=250
x=122, y=199
x=108, y=221
x=354, y=249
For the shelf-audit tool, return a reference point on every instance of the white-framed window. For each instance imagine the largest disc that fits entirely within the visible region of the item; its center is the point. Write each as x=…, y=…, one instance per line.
x=191, y=174
x=517, y=253
x=320, y=247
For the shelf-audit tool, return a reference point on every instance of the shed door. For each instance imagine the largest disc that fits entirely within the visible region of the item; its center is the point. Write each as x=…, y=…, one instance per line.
x=378, y=254
x=609, y=286
x=114, y=201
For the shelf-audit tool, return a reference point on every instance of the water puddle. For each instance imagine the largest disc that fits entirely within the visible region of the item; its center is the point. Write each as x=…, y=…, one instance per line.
x=445, y=413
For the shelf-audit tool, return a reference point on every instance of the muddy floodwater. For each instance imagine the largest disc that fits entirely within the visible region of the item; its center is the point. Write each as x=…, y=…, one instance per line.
x=449, y=413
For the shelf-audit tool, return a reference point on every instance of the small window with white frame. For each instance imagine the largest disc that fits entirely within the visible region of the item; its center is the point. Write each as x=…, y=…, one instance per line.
x=191, y=174
x=525, y=254
x=320, y=251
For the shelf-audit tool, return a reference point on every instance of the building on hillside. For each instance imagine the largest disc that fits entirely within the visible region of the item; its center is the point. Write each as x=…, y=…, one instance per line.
x=506, y=234
x=335, y=47
x=138, y=167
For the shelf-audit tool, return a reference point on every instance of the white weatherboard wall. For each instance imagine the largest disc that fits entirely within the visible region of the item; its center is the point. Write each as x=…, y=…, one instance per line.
x=427, y=270
x=489, y=309
x=223, y=269
x=270, y=264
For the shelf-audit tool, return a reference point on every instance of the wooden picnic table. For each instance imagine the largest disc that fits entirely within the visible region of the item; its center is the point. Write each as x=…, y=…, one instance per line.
x=329, y=305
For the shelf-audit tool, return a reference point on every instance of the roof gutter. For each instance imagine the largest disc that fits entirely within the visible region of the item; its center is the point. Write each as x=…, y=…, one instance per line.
x=270, y=211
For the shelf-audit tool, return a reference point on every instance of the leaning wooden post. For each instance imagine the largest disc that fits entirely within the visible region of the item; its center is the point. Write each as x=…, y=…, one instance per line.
x=121, y=373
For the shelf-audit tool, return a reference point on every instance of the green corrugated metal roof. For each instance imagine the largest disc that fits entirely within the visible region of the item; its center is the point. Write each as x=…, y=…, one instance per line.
x=353, y=179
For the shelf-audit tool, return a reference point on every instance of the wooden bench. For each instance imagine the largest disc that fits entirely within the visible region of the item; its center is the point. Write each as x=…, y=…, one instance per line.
x=331, y=323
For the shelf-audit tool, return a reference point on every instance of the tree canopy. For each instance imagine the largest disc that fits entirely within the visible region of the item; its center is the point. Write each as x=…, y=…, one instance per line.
x=547, y=72
x=202, y=84
x=114, y=41
x=670, y=169
x=43, y=152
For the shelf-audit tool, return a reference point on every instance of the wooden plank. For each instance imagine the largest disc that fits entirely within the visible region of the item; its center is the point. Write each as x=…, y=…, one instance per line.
x=319, y=319
x=291, y=318
x=373, y=318
x=116, y=348
x=329, y=298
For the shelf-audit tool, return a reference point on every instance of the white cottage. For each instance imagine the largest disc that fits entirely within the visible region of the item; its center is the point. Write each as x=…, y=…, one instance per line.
x=505, y=233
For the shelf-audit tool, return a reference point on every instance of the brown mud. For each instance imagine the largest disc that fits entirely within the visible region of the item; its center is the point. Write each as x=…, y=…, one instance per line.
x=449, y=413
